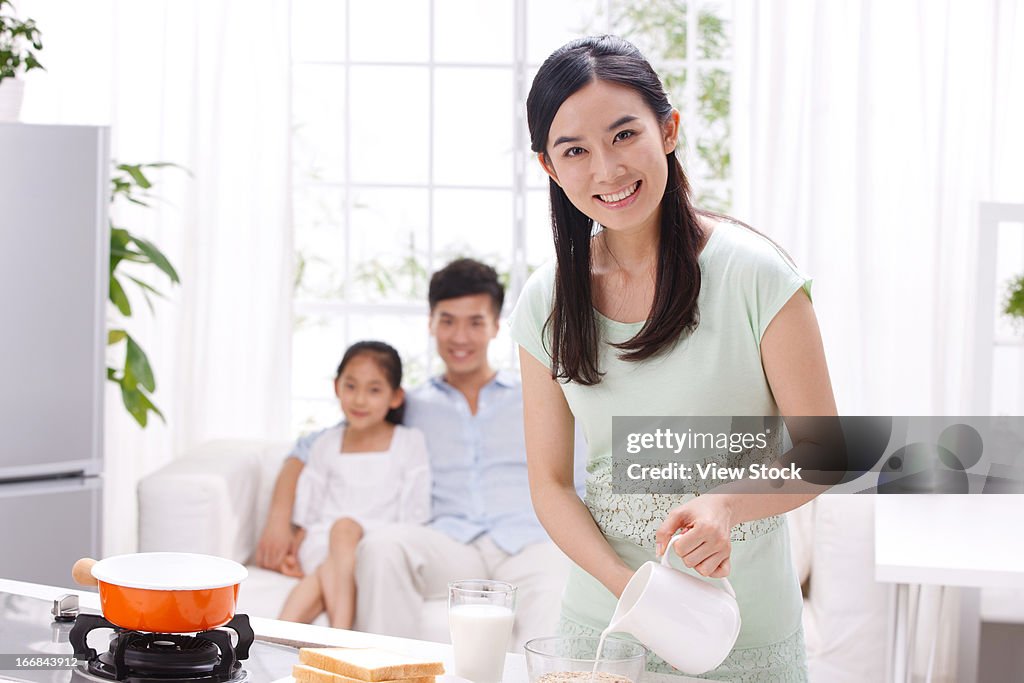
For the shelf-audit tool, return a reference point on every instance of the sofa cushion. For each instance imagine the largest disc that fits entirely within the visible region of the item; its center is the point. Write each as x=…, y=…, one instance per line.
x=847, y=606
x=263, y=593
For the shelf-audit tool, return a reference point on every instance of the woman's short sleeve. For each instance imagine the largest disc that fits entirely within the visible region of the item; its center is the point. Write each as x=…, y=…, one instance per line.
x=775, y=281
x=530, y=315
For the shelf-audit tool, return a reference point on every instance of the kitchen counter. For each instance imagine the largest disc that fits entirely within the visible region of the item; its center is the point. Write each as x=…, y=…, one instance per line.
x=306, y=635
x=301, y=635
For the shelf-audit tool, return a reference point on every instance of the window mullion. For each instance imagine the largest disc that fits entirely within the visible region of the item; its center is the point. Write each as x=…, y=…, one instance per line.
x=431, y=86
x=519, y=146
x=347, y=227
x=692, y=76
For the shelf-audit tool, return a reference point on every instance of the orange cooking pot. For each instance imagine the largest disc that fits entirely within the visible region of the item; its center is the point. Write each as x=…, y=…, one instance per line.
x=164, y=592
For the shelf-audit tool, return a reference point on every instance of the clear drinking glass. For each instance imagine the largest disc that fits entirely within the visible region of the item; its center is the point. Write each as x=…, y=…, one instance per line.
x=480, y=616
x=571, y=659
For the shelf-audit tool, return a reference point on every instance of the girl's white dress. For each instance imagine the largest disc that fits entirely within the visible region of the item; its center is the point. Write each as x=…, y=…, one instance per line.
x=371, y=488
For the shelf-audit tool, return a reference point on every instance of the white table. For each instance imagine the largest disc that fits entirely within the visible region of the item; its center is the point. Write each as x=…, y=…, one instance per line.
x=968, y=542
x=305, y=635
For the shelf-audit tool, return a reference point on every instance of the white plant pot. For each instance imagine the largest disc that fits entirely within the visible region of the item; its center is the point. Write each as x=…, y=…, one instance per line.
x=11, y=91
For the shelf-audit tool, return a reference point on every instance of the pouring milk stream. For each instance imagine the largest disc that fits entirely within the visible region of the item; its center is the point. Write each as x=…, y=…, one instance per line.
x=690, y=623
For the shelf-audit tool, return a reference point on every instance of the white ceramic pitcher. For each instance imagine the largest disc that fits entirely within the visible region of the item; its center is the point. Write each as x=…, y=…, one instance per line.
x=690, y=623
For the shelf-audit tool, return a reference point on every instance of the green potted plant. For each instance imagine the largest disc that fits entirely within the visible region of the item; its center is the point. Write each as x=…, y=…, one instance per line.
x=17, y=40
x=133, y=375
x=1013, y=305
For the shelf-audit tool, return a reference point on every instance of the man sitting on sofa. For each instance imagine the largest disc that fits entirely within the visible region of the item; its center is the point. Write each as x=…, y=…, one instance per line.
x=483, y=522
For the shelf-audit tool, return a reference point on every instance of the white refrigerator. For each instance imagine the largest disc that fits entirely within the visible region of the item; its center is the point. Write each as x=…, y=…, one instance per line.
x=54, y=244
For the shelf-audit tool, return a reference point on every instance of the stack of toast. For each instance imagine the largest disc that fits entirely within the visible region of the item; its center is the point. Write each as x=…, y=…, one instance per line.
x=364, y=665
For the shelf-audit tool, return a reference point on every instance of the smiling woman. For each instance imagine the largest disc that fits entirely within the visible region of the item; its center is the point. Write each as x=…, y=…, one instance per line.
x=599, y=164
x=655, y=308
x=612, y=136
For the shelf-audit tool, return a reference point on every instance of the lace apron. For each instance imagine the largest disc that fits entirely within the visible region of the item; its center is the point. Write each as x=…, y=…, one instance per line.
x=770, y=647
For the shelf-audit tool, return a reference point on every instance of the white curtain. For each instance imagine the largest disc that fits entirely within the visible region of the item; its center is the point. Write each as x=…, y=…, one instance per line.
x=204, y=85
x=865, y=134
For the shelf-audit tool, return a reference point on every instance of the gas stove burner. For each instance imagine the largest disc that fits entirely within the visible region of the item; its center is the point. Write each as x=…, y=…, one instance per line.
x=149, y=654
x=150, y=657
x=158, y=655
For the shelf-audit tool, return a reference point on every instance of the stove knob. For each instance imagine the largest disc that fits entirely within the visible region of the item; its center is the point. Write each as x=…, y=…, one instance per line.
x=65, y=608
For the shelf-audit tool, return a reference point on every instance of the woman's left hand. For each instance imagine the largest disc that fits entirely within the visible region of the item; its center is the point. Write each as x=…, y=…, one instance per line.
x=705, y=546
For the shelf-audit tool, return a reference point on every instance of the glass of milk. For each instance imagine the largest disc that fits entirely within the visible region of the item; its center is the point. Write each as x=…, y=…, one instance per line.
x=480, y=616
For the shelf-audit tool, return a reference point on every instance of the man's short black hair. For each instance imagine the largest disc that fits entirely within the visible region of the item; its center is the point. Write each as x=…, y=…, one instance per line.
x=466, y=277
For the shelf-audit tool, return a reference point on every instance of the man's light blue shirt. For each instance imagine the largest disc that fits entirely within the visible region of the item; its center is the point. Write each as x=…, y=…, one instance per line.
x=478, y=462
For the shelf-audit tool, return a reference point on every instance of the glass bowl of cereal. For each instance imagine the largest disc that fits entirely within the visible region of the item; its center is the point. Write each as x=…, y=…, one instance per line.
x=571, y=659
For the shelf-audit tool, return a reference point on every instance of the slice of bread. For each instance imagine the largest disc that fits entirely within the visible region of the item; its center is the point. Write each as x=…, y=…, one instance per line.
x=307, y=674
x=368, y=664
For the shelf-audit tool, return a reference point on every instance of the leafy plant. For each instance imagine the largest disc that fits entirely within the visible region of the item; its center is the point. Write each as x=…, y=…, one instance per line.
x=1013, y=306
x=657, y=27
x=404, y=276
x=14, y=33
x=135, y=376
x=712, y=28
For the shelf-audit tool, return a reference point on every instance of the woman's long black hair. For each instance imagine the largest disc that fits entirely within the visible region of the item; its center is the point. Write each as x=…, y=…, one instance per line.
x=574, y=333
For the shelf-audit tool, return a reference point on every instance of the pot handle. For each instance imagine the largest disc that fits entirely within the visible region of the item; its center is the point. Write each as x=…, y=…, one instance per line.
x=82, y=572
x=665, y=563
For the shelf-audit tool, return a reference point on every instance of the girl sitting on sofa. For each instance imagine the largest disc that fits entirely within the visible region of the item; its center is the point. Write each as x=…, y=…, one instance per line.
x=368, y=471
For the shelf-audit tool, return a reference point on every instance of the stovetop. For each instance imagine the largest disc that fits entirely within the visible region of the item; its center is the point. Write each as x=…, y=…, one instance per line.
x=28, y=629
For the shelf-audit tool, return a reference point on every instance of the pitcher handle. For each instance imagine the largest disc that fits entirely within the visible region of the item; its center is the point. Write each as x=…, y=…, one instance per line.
x=665, y=563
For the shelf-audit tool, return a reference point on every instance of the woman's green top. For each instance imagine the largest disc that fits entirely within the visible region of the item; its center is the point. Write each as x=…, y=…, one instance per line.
x=713, y=371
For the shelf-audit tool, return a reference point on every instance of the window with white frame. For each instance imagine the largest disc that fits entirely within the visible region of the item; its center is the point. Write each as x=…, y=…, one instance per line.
x=410, y=149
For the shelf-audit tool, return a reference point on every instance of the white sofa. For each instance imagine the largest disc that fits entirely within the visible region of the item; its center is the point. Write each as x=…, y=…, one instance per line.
x=215, y=498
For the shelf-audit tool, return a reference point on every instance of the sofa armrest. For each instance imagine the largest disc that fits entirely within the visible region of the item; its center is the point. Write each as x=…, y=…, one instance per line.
x=208, y=501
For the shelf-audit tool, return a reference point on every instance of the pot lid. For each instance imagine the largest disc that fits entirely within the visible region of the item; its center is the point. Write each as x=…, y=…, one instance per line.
x=169, y=571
